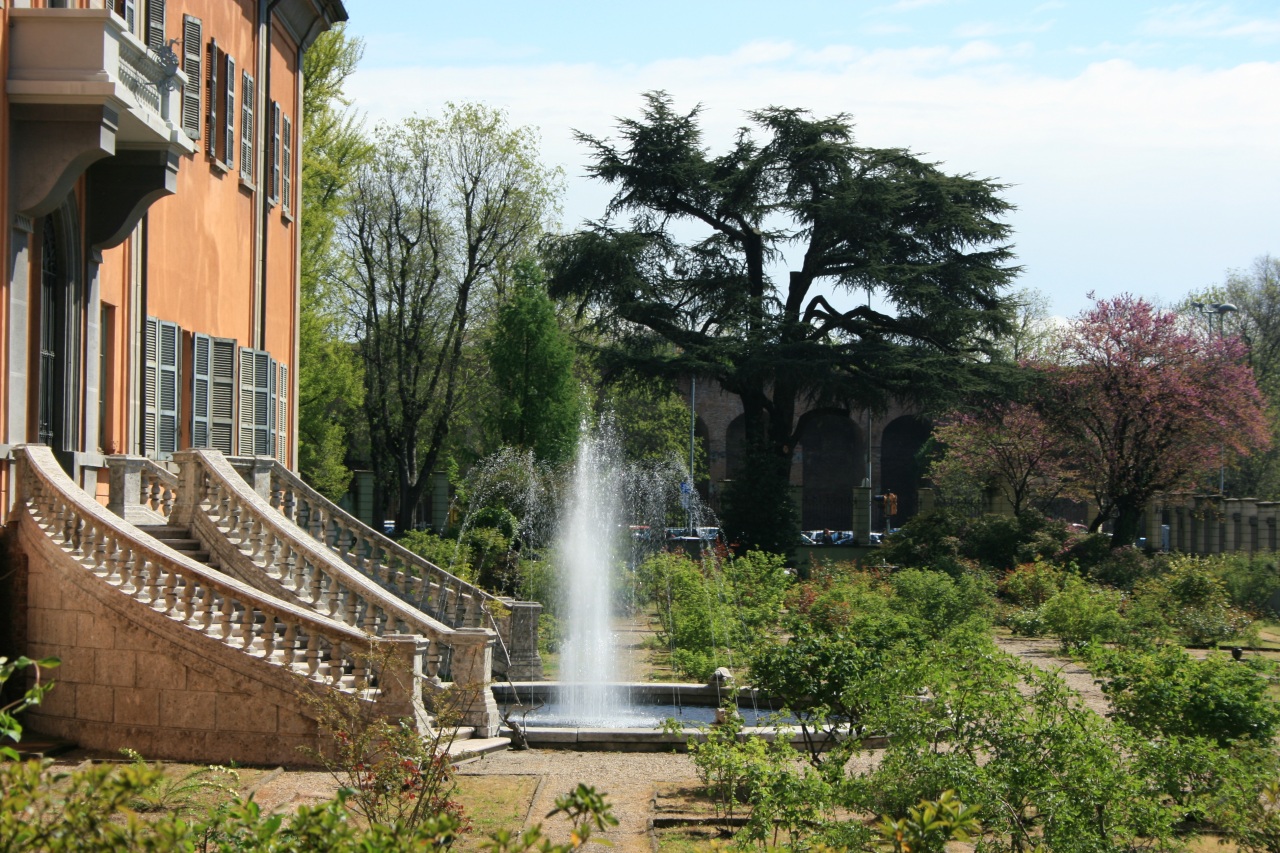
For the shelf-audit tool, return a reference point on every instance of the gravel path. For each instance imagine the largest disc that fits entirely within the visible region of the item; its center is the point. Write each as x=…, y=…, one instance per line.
x=1044, y=654
x=627, y=779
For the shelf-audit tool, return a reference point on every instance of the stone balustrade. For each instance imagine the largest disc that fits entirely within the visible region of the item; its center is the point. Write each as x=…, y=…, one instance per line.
x=1212, y=524
x=217, y=606
x=95, y=578
x=400, y=571
x=238, y=525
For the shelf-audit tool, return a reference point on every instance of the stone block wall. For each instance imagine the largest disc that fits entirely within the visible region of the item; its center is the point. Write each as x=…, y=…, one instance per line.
x=131, y=677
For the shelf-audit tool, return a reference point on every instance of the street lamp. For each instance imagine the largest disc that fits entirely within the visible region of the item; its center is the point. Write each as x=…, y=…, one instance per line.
x=1219, y=310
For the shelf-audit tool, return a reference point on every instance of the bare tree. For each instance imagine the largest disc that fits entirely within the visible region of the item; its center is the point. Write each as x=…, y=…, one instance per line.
x=433, y=224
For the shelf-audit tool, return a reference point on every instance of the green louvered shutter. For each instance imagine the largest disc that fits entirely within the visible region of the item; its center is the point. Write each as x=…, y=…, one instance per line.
x=229, y=117
x=169, y=399
x=201, y=385
x=155, y=24
x=222, y=400
x=192, y=66
x=282, y=415
x=246, y=129
x=214, y=95
x=150, y=385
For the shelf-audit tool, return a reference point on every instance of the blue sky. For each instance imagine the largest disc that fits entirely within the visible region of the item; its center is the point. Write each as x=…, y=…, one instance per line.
x=1141, y=141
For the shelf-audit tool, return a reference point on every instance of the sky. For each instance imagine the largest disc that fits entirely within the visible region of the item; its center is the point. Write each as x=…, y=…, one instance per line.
x=1140, y=142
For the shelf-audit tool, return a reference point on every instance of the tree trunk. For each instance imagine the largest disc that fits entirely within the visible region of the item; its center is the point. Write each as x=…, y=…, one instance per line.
x=1128, y=519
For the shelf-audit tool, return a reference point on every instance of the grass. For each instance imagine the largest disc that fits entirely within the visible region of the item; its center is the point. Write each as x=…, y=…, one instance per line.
x=691, y=839
x=493, y=803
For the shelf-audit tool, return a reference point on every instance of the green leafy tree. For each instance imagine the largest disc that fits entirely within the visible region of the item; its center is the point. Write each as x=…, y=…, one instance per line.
x=329, y=382
x=431, y=229
x=929, y=245
x=538, y=402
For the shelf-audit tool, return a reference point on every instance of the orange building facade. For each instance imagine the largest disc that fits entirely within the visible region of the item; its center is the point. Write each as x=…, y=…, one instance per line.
x=150, y=174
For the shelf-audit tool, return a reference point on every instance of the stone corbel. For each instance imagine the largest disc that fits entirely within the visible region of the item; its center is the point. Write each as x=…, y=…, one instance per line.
x=122, y=188
x=52, y=146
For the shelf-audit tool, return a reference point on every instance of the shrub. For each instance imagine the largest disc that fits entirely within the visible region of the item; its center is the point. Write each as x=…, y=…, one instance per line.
x=449, y=554
x=1188, y=603
x=938, y=601
x=1032, y=584
x=1165, y=691
x=1081, y=613
x=1252, y=582
x=946, y=542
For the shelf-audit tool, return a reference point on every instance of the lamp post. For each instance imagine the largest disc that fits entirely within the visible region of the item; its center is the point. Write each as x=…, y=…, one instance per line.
x=1219, y=310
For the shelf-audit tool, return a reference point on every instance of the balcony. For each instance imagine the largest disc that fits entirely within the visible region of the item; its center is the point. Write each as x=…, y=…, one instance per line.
x=86, y=58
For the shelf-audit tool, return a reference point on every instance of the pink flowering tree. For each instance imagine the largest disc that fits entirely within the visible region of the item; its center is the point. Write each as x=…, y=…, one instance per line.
x=1007, y=446
x=1143, y=404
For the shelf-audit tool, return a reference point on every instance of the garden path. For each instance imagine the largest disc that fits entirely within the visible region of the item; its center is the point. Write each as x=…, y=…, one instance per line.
x=1045, y=654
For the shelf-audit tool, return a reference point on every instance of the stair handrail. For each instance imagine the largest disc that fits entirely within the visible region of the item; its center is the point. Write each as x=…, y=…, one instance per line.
x=159, y=487
x=211, y=492
x=208, y=602
x=376, y=555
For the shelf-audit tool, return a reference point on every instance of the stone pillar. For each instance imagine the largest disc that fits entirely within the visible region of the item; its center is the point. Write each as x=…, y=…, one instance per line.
x=126, y=491
x=471, y=667
x=401, y=679
x=1232, y=518
x=190, y=474
x=862, y=514
x=258, y=475
x=927, y=501
x=1250, y=529
x=521, y=637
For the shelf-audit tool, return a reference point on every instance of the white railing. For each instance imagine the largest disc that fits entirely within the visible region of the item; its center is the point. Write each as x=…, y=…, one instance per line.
x=225, y=512
x=203, y=600
x=407, y=575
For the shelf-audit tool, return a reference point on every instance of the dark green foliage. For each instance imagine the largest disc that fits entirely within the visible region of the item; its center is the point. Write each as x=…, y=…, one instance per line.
x=714, y=609
x=1188, y=603
x=1167, y=693
x=948, y=542
x=757, y=512
x=1252, y=582
x=929, y=244
x=537, y=403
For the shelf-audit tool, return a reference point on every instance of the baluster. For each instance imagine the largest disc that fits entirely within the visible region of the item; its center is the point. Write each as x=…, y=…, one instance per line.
x=289, y=645
x=349, y=605
x=128, y=570
x=153, y=492
x=111, y=548
x=369, y=624
x=224, y=619
x=290, y=506
x=314, y=522
x=247, y=618
x=360, y=672
x=271, y=554
x=376, y=569
x=153, y=589
x=99, y=550
x=315, y=584
x=77, y=524
x=335, y=673
x=431, y=660
x=188, y=595
x=313, y=653
x=167, y=497
x=255, y=537
x=269, y=637
x=169, y=588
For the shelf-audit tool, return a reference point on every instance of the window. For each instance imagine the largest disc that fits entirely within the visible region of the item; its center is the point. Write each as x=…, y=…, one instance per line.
x=155, y=25
x=213, y=393
x=257, y=403
x=228, y=116
x=282, y=415
x=246, y=128
x=286, y=171
x=193, y=67
x=273, y=184
x=160, y=389
x=214, y=93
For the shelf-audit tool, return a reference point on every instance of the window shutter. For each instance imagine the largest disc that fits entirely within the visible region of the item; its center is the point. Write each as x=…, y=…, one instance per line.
x=155, y=24
x=282, y=415
x=246, y=128
x=169, y=400
x=246, y=402
x=222, y=403
x=126, y=9
x=286, y=172
x=229, y=117
x=257, y=397
x=211, y=121
x=192, y=55
x=201, y=380
x=273, y=185
x=150, y=385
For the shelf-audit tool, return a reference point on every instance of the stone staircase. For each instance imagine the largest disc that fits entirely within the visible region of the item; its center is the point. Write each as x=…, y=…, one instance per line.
x=179, y=539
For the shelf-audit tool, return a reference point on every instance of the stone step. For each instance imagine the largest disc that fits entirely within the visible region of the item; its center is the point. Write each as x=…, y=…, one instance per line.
x=179, y=539
x=476, y=746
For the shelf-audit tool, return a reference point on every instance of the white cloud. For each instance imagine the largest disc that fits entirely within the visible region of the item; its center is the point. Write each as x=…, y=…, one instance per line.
x=1203, y=20
x=1126, y=177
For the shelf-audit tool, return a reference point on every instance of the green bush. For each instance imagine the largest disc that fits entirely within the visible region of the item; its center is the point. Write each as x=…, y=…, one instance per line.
x=1033, y=584
x=939, y=601
x=449, y=554
x=1166, y=692
x=1252, y=582
x=1189, y=603
x=949, y=543
x=1081, y=613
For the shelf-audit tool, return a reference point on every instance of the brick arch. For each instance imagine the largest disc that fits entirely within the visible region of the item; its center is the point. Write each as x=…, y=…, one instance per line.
x=831, y=456
x=900, y=466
